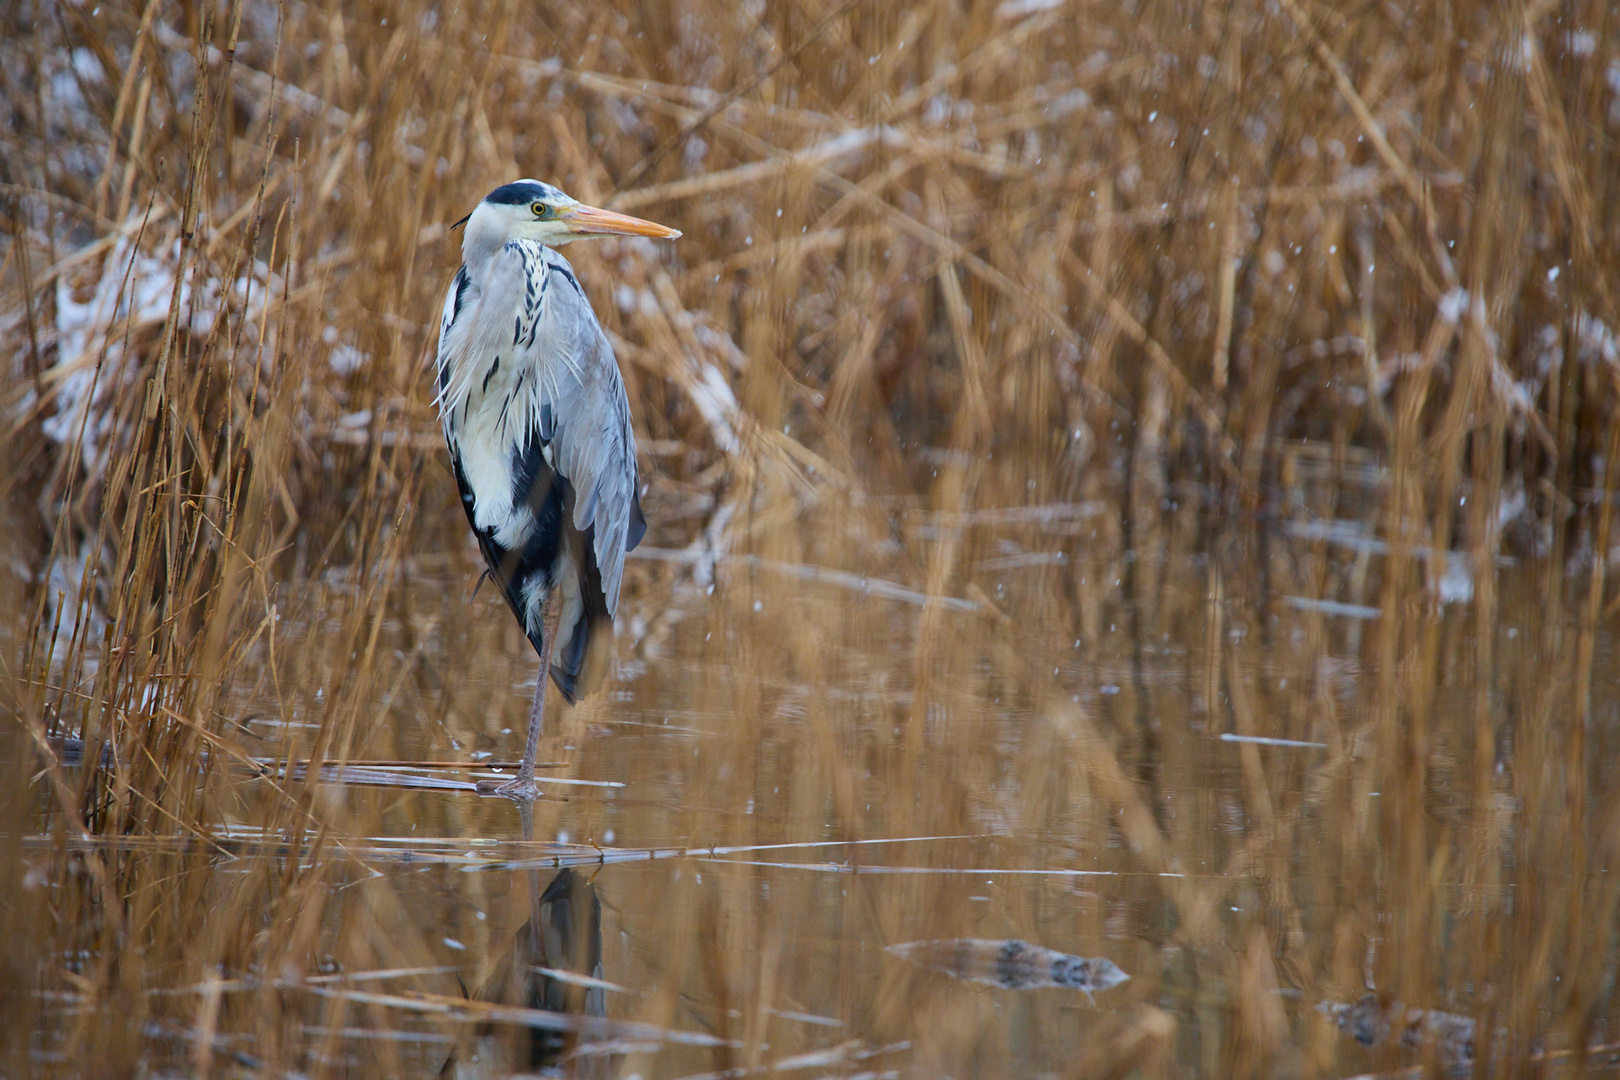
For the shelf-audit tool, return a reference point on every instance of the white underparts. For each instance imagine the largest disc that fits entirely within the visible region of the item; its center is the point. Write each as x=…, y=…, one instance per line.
x=486, y=461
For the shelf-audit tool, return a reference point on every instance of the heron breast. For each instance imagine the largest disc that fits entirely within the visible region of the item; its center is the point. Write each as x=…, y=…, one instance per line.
x=493, y=459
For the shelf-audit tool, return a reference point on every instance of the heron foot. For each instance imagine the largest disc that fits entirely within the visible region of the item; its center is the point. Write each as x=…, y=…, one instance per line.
x=518, y=790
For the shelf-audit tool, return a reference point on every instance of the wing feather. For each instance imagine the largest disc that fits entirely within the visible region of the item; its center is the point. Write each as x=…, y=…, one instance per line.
x=592, y=442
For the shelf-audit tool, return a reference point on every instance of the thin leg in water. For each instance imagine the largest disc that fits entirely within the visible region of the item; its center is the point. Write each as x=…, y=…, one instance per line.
x=522, y=786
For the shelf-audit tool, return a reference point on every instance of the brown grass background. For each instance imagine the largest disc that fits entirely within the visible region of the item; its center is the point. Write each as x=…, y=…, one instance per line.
x=1176, y=370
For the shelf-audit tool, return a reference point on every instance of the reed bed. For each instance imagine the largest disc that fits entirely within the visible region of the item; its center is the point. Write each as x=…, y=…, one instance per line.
x=1131, y=479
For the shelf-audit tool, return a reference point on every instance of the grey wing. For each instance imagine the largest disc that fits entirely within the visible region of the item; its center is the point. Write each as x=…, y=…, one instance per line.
x=578, y=406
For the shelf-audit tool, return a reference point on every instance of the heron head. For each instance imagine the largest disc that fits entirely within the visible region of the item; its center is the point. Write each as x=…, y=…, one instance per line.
x=530, y=210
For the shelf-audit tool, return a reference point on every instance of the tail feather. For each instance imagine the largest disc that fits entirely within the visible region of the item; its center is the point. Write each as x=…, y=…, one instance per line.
x=567, y=680
x=572, y=671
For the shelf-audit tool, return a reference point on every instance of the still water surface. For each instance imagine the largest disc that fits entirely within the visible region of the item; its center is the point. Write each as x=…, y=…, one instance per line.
x=1190, y=767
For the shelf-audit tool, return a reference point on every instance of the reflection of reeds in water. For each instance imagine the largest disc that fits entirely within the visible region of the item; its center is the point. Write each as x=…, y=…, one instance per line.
x=1040, y=392
x=534, y=973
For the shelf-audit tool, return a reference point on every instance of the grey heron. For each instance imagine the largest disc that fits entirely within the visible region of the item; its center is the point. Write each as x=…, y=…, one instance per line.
x=538, y=427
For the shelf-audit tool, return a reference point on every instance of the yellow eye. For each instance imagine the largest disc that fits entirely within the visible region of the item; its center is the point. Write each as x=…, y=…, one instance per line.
x=540, y=209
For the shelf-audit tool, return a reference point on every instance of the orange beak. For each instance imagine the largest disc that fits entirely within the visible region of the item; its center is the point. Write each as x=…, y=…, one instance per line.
x=594, y=221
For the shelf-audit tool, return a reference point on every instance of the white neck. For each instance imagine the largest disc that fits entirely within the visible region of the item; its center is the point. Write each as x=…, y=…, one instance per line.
x=485, y=234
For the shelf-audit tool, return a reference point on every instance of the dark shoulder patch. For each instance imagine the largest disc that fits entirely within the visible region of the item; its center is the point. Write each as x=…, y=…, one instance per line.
x=463, y=280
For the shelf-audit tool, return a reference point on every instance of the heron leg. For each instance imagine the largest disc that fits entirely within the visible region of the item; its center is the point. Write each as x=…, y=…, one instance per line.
x=522, y=787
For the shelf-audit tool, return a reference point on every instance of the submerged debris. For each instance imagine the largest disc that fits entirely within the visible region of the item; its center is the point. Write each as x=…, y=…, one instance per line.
x=1373, y=1021
x=1011, y=964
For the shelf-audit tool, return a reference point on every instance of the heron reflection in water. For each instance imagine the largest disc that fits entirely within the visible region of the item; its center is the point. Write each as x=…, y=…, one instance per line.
x=561, y=941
